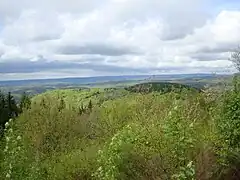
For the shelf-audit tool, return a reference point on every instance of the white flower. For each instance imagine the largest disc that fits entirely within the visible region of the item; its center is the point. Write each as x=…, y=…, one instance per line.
x=191, y=125
x=7, y=139
x=190, y=164
x=170, y=113
x=10, y=120
x=19, y=138
x=6, y=149
x=6, y=124
x=8, y=175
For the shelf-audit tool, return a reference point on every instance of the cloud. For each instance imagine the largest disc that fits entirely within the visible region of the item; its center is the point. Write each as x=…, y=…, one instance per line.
x=31, y=26
x=41, y=64
x=116, y=36
x=101, y=49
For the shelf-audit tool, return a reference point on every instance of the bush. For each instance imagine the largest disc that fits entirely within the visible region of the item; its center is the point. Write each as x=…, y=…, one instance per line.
x=228, y=131
x=151, y=136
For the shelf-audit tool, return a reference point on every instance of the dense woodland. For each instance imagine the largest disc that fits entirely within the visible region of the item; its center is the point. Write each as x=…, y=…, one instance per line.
x=144, y=132
x=10, y=109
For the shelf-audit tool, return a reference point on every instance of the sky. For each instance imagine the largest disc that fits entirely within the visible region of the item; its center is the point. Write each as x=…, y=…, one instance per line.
x=80, y=38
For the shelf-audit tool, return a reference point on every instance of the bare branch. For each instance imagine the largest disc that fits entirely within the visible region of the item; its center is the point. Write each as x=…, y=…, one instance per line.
x=235, y=58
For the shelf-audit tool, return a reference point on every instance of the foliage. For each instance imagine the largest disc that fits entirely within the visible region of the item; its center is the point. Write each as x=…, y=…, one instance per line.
x=163, y=87
x=117, y=134
x=228, y=129
x=25, y=102
x=8, y=109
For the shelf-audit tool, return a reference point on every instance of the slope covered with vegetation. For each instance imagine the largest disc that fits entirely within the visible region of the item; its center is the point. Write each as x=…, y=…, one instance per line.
x=111, y=134
x=162, y=87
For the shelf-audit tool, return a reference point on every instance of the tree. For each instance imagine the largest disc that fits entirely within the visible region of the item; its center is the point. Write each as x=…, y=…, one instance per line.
x=3, y=111
x=11, y=106
x=235, y=58
x=8, y=109
x=25, y=102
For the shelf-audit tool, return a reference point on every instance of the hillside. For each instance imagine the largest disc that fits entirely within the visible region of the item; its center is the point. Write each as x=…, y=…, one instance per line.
x=163, y=87
x=35, y=87
x=78, y=97
x=146, y=131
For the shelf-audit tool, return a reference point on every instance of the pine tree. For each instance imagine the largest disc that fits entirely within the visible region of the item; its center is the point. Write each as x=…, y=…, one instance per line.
x=3, y=111
x=8, y=109
x=11, y=106
x=2, y=101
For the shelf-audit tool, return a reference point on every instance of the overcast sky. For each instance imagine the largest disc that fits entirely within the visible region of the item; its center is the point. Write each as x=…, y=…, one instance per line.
x=66, y=38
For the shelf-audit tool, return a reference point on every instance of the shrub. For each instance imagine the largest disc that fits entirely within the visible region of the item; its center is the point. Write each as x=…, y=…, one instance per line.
x=228, y=130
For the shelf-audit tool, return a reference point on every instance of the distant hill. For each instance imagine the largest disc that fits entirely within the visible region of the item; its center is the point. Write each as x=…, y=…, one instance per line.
x=99, y=79
x=68, y=81
x=163, y=87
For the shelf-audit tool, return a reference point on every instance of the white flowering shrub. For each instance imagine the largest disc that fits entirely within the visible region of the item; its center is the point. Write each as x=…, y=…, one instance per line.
x=11, y=151
x=114, y=153
x=186, y=173
x=17, y=164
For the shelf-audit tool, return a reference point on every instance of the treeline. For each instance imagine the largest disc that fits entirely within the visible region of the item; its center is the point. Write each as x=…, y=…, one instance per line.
x=162, y=87
x=10, y=109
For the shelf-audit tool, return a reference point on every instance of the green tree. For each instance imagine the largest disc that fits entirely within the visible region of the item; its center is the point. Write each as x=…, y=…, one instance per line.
x=8, y=109
x=3, y=111
x=235, y=59
x=11, y=106
x=25, y=102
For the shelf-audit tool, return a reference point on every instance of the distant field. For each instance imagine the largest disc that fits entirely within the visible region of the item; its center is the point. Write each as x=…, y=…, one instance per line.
x=34, y=87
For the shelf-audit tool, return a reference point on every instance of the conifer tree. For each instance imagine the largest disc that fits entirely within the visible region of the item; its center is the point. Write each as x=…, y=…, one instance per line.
x=3, y=111
x=8, y=109
x=11, y=106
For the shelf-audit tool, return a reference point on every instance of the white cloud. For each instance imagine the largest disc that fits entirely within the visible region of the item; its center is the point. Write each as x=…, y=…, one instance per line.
x=149, y=36
x=32, y=26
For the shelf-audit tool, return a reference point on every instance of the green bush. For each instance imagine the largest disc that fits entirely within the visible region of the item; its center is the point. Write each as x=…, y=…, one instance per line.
x=228, y=132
